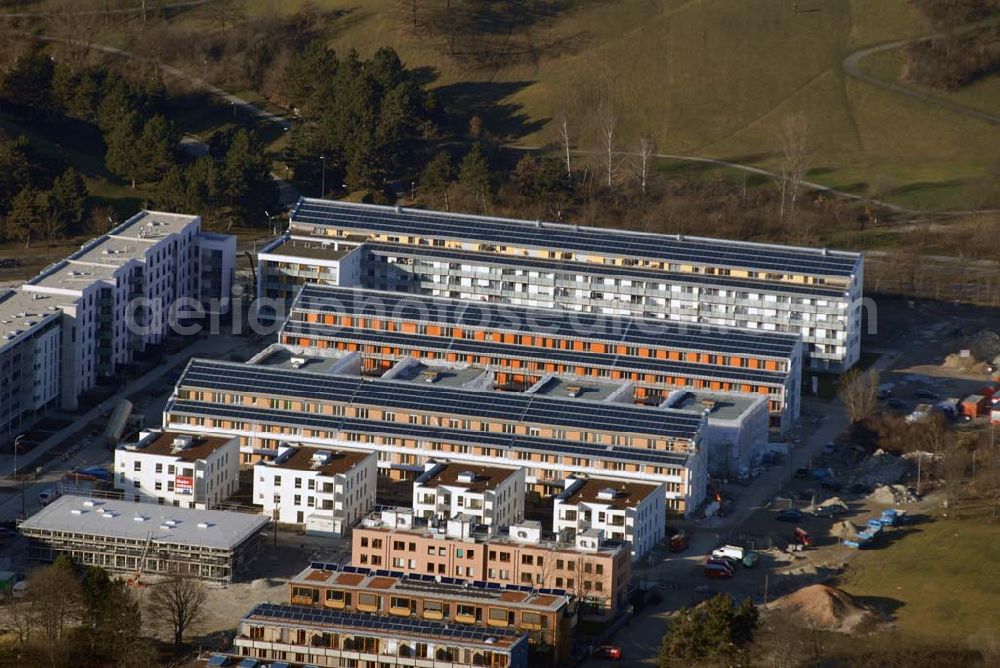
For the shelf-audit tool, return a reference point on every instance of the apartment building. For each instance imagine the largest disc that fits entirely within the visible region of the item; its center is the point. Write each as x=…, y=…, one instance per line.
x=126, y=537
x=326, y=491
x=487, y=495
x=30, y=363
x=813, y=292
x=524, y=344
x=178, y=469
x=119, y=292
x=631, y=512
x=546, y=618
x=590, y=567
x=291, y=634
x=279, y=396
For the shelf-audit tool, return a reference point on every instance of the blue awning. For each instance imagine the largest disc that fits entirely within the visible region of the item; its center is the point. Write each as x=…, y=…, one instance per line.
x=248, y=663
x=218, y=660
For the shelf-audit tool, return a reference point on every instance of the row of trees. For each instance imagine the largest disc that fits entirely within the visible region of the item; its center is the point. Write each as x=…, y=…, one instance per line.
x=81, y=612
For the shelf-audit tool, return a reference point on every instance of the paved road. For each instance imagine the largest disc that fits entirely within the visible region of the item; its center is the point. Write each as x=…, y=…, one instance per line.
x=852, y=66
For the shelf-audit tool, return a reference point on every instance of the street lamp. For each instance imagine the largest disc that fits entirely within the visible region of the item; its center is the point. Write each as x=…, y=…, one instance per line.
x=322, y=169
x=274, y=231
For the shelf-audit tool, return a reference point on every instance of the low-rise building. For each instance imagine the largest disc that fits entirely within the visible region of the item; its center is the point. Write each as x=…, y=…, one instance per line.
x=547, y=617
x=178, y=469
x=126, y=537
x=334, y=638
x=630, y=512
x=485, y=494
x=591, y=568
x=327, y=491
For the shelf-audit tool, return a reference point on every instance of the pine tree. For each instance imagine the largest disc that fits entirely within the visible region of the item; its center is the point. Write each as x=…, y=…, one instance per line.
x=475, y=176
x=23, y=222
x=68, y=198
x=437, y=178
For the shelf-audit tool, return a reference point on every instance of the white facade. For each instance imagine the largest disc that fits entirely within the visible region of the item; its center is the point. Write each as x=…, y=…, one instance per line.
x=119, y=292
x=30, y=364
x=623, y=512
x=178, y=470
x=486, y=495
x=328, y=492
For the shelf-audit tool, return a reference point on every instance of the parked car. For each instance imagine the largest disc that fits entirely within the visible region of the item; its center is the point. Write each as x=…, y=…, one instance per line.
x=832, y=484
x=924, y=393
x=828, y=512
x=613, y=652
x=829, y=448
x=718, y=571
x=679, y=541
x=47, y=496
x=802, y=472
x=802, y=537
x=789, y=515
x=897, y=404
x=731, y=551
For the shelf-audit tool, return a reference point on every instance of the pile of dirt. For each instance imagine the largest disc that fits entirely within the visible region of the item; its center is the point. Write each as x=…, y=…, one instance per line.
x=882, y=468
x=822, y=607
x=834, y=502
x=891, y=495
x=844, y=530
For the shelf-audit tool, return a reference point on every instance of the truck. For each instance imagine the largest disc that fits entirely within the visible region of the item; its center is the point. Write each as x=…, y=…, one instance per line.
x=892, y=517
x=748, y=558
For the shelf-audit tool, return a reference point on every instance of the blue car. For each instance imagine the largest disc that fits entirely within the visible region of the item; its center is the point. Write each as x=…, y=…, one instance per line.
x=789, y=515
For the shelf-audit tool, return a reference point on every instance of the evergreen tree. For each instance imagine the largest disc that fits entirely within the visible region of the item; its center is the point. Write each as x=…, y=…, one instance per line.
x=475, y=177
x=23, y=222
x=246, y=178
x=68, y=198
x=122, y=156
x=435, y=182
x=157, y=148
x=15, y=170
x=714, y=629
x=27, y=86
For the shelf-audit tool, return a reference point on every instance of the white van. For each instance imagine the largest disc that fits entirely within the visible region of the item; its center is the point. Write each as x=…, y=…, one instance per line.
x=730, y=552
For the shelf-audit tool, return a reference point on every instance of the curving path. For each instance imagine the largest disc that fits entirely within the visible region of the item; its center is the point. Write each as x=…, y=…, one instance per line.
x=852, y=66
x=106, y=12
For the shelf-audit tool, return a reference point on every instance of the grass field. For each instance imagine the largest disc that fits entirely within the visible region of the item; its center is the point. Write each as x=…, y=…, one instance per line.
x=935, y=581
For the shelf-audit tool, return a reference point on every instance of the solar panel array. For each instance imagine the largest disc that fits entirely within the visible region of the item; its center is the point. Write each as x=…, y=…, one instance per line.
x=297, y=328
x=604, y=242
x=573, y=413
x=479, y=258
x=542, y=322
x=356, y=621
x=331, y=423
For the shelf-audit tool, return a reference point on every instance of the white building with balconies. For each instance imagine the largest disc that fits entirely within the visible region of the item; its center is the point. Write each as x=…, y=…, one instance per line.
x=632, y=512
x=486, y=495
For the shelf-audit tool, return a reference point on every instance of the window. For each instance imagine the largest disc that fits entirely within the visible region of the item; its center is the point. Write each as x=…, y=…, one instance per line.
x=137, y=466
x=499, y=615
x=159, y=468
x=368, y=600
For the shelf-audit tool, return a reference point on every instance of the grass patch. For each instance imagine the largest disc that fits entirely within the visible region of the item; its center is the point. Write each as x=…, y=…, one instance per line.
x=935, y=579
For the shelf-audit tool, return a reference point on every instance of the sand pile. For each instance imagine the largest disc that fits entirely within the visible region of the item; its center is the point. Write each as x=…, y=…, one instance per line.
x=844, y=530
x=823, y=607
x=891, y=495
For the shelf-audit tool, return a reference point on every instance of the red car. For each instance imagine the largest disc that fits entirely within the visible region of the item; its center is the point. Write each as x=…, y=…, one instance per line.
x=613, y=652
x=718, y=571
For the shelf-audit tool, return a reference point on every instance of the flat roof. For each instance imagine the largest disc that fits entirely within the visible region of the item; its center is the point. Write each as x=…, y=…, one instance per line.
x=623, y=329
x=21, y=312
x=240, y=378
x=161, y=444
x=74, y=276
x=721, y=405
x=483, y=478
x=518, y=596
x=281, y=358
x=439, y=376
x=151, y=226
x=371, y=218
x=325, y=462
x=313, y=249
x=115, y=519
x=578, y=388
x=387, y=626
x=504, y=442
x=626, y=494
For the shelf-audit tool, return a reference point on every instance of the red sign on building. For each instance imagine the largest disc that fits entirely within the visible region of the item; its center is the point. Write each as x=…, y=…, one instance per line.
x=184, y=484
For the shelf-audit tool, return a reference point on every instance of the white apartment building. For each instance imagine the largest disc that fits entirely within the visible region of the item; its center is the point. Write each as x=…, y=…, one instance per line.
x=327, y=491
x=30, y=363
x=814, y=292
x=484, y=495
x=632, y=512
x=177, y=469
x=119, y=291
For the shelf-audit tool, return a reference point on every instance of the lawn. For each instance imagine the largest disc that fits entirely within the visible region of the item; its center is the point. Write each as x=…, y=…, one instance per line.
x=937, y=576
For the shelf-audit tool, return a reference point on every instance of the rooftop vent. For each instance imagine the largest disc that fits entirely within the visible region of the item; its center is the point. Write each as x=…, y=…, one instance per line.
x=297, y=362
x=607, y=494
x=181, y=443
x=203, y=525
x=708, y=404
x=78, y=511
x=431, y=376
x=573, y=390
x=165, y=527
x=139, y=518
x=90, y=503
x=320, y=459
x=467, y=477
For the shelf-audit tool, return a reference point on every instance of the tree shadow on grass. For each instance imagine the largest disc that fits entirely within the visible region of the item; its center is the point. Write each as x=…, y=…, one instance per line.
x=504, y=120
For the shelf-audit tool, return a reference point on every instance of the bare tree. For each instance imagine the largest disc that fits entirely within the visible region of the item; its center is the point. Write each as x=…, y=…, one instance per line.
x=179, y=603
x=564, y=139
x=55, y=598
x=859, y=393
x=607, y=122
x=647, y=152
x=795, y=153
x=955, y=464
x=53, y=226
